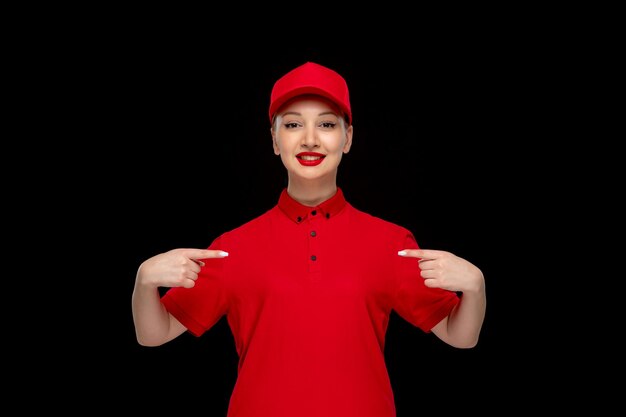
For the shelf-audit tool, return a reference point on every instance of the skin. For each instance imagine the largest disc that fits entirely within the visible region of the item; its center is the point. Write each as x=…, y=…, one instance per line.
x=308, y=124
x=311, y=124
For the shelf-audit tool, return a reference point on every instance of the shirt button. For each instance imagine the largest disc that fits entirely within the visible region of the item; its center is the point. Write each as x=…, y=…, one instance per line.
x=313, y=233
x=328, y=215
x=314, y=212
x=313, y=257
x=299, y=219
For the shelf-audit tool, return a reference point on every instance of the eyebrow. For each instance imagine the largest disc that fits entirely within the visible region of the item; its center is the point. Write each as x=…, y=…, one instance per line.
x=321, y=114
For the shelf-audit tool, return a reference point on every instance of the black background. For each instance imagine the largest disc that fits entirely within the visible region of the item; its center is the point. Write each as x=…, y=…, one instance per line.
x=178, y=151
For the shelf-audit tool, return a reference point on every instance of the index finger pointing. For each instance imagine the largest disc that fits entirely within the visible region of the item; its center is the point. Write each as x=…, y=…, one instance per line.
x=420, y=253
x=204, y=253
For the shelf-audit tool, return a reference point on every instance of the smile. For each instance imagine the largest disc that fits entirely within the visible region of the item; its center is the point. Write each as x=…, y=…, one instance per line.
x=310, y=158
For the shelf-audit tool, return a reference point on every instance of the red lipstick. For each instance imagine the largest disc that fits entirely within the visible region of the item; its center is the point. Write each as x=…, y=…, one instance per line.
x=310, y=159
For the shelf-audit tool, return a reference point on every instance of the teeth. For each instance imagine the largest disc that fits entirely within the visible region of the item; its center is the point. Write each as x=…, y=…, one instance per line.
x=310, y=157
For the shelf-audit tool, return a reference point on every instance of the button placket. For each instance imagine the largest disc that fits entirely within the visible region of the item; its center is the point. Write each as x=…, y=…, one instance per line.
x=313, y=221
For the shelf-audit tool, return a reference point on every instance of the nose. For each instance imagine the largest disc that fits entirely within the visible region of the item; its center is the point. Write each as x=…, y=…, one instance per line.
x=310, y=139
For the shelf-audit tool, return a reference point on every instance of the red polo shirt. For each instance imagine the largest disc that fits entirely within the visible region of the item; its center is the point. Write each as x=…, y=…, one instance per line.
x=307, y=292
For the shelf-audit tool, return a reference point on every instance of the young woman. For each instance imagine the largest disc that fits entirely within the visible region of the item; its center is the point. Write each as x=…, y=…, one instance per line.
x=308, y=286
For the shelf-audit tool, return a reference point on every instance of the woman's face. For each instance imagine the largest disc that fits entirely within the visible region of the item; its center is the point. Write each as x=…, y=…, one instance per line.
x=310, y=136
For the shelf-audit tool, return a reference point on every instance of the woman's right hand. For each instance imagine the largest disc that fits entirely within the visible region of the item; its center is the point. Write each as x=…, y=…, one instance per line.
x=175, y=268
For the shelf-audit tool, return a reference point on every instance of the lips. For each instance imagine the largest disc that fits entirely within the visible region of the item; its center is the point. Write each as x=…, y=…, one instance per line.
x=310, y=159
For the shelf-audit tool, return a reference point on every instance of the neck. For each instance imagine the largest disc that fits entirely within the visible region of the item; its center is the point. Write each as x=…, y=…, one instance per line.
x=311, y=193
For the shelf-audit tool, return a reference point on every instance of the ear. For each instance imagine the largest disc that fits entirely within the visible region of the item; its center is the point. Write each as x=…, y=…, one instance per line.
x=348, y=144
x=275, y=142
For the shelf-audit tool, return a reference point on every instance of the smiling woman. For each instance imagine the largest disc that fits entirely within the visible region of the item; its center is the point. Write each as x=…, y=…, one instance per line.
x=310, y=132
x=308, y=287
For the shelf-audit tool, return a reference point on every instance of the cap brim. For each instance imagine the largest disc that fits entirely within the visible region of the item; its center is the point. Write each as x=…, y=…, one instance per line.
x=300, y=91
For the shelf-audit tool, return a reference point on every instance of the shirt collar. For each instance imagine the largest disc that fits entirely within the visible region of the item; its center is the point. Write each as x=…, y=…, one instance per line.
x=298, y=212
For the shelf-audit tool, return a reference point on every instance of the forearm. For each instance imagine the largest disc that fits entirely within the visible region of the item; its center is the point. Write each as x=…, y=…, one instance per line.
x=152, y=321
x=466, y=319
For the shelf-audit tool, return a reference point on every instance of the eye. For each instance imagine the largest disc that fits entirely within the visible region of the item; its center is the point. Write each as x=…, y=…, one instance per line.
x=291, y=125
x=328, y=125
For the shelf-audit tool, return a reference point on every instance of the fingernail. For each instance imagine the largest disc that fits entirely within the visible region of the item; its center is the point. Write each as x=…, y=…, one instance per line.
x=402, y=252
x=222, y=253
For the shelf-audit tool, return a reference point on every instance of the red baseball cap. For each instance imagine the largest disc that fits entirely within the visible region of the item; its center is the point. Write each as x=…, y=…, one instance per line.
x=311, y=78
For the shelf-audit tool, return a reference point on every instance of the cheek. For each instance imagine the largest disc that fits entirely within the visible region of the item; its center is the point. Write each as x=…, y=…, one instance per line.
x=281, y=149
x=286, y=142
x=279, y=144
x=336, y=145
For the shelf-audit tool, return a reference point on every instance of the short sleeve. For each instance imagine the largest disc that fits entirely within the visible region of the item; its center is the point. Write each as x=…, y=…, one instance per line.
x=418, y=304
x=200, y=307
